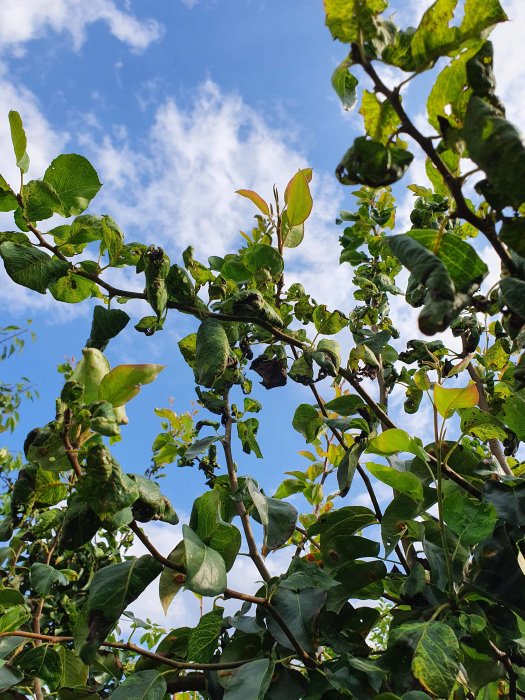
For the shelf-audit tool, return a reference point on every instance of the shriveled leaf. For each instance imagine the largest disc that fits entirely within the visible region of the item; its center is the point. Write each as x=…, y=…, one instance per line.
x=106, y=324
x=212, y=351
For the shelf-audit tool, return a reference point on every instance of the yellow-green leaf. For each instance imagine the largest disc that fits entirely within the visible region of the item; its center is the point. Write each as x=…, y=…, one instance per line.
x=449, y=400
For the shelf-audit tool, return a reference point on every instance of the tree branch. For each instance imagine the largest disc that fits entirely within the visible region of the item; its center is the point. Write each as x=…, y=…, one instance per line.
x=454, y=184
x=72, y=454
x=234, y=485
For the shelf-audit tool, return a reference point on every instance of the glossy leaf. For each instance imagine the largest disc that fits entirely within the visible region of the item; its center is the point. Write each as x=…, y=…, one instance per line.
x=404, y=482
x=75, y=181
x=256, y=199
x=19, y=140
x=344, y=83
x=470, y=520
x=448, y=400
x=123, y=383
x=249, y=681
x=205, y=568
x=298, y=198
x=278, y=517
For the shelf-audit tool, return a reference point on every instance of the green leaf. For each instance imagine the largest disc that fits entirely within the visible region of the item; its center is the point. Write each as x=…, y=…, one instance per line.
x=74, y=671
x=470, y=520
x=345, y=84
x=14, y=618
x=170, y=581
x=512, y=233
x=306, y=421
x=512, y=290
x=353, y=20
x=293, y=236
x=263, y=257
x=75, y=181
x=106, y=324
x=18, y=137
x=300, y=609
x=206, y=571
x=514, y=412
x=482, y=425
x=298, y=198
x=373, y=164
x=112, y=589
x=40, y=200
x=207, y=523
x=44, y=662
x=381, y=120
x=144, y=685
x=251, y=680
x=112, y=239
x=44, y=576
x=442, y=304
x=256, y=199
x=9, y=677
x=496, y=147
x=212, y=352
x=395, y=518
x=278, y=517
x=346, y=405
x=449, y=400
x=89, y=372
x=436, y=654
x=328, y=322
x=31, y=267
x=123, y=382
x=462, y=262
x=347, y=520
x=72, y=288
x=404, y=482
x=203, y=639
x=395, y=440
x=449, y=95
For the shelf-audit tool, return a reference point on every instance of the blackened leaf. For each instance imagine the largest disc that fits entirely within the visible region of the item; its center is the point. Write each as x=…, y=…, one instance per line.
x=271, y=369
x=30, y=267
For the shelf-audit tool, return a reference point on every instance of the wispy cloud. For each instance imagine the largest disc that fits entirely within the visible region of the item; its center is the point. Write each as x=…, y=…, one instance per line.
x=23, y=20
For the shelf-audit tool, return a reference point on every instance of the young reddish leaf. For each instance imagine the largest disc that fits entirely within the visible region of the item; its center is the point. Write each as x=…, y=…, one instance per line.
x=256, y=199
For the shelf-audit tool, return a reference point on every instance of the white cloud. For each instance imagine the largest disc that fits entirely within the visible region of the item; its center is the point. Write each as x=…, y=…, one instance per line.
x=23, y=20
x=508, y=61
x=177, y=188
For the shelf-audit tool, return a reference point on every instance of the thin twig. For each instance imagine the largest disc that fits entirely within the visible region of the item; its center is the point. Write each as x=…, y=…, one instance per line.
x=454, y=184
x=72, y=454
x=127, y=646
x=494, y=443
x=234, y=485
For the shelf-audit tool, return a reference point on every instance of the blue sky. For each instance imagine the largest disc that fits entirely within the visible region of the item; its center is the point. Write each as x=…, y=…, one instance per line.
x=178, y=103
